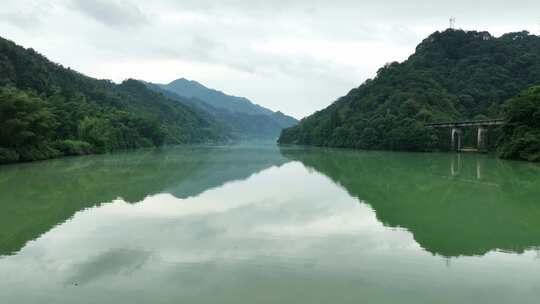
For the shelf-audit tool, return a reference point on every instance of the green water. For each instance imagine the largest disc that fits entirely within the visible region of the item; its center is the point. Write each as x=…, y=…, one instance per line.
x=260, y=224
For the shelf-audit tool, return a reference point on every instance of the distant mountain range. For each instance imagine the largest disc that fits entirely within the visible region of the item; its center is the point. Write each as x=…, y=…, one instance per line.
x=242, y=117
x=193, y=89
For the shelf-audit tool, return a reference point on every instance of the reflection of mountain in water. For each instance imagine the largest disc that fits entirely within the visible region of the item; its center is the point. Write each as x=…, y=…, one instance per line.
x=453, y=205
x=36, y=197
x=225, y=165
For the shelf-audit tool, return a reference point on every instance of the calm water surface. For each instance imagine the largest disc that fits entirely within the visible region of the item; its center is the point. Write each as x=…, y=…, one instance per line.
x=248, y=224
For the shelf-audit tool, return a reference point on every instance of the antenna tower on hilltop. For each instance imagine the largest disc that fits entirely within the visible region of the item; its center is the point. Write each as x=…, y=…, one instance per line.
x=452, y=23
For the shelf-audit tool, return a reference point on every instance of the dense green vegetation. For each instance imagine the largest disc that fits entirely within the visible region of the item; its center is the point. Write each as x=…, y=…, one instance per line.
x=520, y=136
x=453, y=75
x=239, y=115
x=47, y=110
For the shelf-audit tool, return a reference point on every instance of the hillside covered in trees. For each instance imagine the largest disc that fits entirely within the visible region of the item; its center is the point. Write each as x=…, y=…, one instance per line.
x=520, y=136
x=244, y=119
x=47, y=110
x=453, y=75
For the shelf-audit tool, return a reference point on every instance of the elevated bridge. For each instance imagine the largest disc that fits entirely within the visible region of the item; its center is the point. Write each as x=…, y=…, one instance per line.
x=457, y=132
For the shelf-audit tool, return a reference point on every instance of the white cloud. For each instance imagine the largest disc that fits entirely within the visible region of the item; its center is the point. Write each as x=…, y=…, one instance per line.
x=297, y=56
x=112, y=13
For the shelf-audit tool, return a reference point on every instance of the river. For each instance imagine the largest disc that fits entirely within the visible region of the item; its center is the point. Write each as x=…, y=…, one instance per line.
x=263, y=224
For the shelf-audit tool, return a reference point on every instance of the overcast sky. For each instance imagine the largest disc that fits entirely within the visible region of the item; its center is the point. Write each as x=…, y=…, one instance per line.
x=296, y=56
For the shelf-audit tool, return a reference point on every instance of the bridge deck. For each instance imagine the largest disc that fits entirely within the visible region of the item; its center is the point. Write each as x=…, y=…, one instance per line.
x=469, y=123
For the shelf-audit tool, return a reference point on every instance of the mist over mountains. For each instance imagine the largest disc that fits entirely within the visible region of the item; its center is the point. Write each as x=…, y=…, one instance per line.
x=245, y=119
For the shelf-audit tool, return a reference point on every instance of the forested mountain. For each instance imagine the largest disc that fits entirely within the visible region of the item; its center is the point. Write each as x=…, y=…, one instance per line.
x=520, y=136
x=47, y=110
x=283, y=120
x=453, y=75
x=244, y=118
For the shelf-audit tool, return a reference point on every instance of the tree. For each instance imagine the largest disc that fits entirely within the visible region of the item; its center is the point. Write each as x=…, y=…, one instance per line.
x=26, y=126
x=520, y=138
x=97, y=132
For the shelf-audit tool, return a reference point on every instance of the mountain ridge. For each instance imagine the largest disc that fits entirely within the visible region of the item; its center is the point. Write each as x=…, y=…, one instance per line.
x=246, y=119
x=47, y=111
x=191, y=88
x=453, y=74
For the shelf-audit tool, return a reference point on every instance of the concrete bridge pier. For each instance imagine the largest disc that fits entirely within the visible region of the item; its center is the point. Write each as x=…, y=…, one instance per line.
x=457, y=139
x=482, y=139
x=457, y=134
